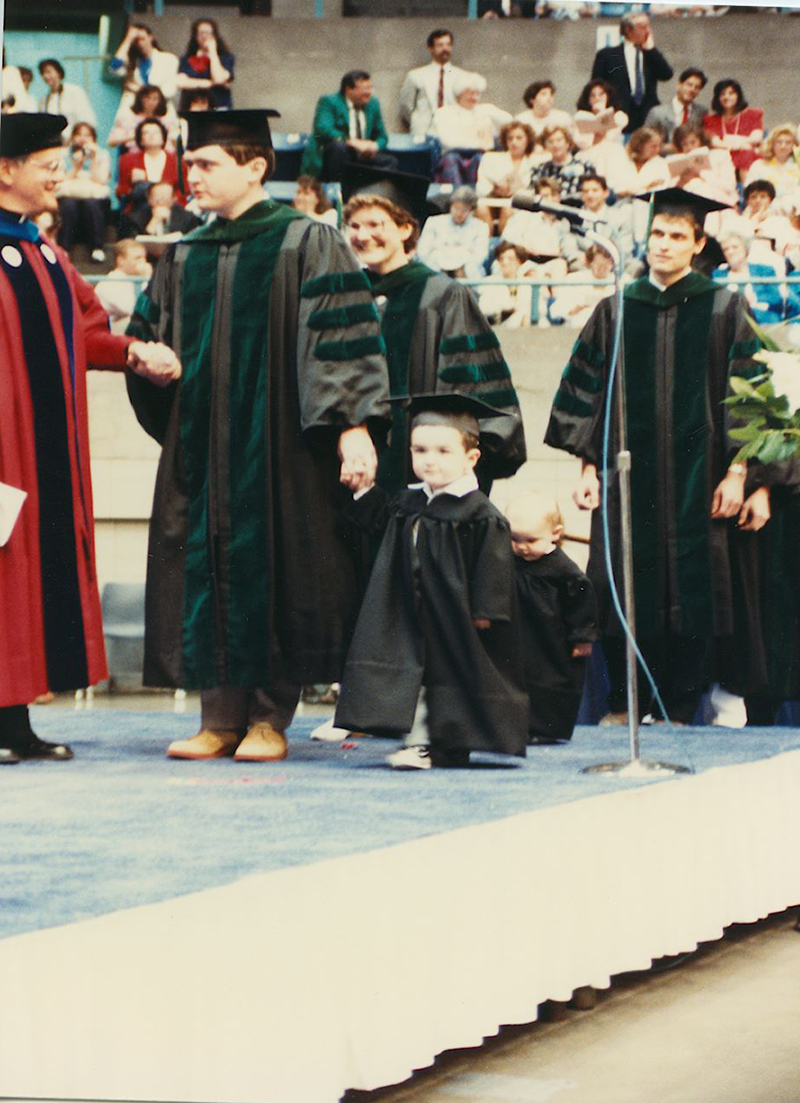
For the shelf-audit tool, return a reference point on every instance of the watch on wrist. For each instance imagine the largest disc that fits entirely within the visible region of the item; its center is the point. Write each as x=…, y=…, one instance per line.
x=738, y=469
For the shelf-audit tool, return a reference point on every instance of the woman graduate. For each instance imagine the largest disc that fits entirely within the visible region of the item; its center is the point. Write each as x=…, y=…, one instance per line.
x=436, y=337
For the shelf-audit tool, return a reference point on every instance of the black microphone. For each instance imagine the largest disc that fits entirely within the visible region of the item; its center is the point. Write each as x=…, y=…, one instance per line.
x=530, y=201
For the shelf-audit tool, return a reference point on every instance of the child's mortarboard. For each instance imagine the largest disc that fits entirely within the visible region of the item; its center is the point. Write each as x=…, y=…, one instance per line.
x=467, y=412
x=405, y=189
x=224, y=128
x=28, y=132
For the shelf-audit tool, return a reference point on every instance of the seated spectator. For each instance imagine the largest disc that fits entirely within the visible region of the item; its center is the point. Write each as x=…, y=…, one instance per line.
x=683, y=109
x=718, y=180
x=733, y=125
x=502, y=173
x=760, y=218
x=207, y=64
x=456, y=243
x=598, y=127
x=769, y=302
x=541, y=115
x=562, y=164
x=120, y=289
x=148, y=103
x=310, y=199
x=547, y=240
x=594, y=198
x=573, y=306
x=465, y=130
x=27, y=101
x=644, y=151
x=198, y=100
x=509, y=305
x=139, y=61
x=83, y=195
x=149, y=164
x=68, y=100
x=163, y=214
x=347, y=129
x=778, y=161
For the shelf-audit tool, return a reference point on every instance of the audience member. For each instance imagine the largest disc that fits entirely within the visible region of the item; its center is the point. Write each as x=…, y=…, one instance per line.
x=683, y=109
x=502, y=173
x=26, y=101
x=574, y=305
x=465, y=130
x=312, y=200
x=760, y=217
x=562, y=164
x=150, y=163
x=599, y=125
x=148, y=103
x=778, y=161
x=207, y=64
x=139, y=61
x=714, y=176
x=347, y=129
x=769, y=302
x=733, y=125
x=634, y=68
x=546, y=239
x=83, y=196
x=644, y=151
x=163, y=213
x=68, y=100
x=594, y=198
x=541, y=114
x=430, y=86
x=509, y=305
x=456, y=243
x=119, y=290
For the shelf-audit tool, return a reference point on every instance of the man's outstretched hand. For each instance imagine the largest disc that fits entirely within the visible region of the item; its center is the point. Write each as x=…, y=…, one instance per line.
x=154, y=361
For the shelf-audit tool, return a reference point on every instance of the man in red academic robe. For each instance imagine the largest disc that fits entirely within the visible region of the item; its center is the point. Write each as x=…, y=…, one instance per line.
x=51, y=326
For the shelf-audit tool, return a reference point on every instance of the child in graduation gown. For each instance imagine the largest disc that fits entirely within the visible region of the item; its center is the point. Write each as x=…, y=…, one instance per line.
x=435, y=657
x=558, y=615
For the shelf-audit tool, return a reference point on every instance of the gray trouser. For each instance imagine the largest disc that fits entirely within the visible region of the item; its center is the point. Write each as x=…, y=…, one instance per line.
x=419, y=736
x=236, y=707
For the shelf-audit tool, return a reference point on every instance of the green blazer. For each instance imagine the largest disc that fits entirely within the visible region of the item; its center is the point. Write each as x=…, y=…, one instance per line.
x=332, y=124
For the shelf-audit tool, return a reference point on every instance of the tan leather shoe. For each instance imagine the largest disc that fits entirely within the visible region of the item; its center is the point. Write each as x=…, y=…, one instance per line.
x=262, y=744
x=206, y=744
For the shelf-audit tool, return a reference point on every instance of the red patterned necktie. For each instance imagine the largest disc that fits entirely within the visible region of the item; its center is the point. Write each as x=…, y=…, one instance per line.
x=685, y=114
x=440, y=98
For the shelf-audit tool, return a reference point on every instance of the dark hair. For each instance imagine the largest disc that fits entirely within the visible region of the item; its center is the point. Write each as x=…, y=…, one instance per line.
x=54, y=62
x=245, y=152
x=681, y=133
x=686, y=211
x=351, y=79
x=595, y=249
x=310, y=183
x=504, y=246
x=192, y=95
x=692, y=72
x=440, y=32
x=720, y=87
x=515, y=124
x=147, y=90
x=193, y=45
x=551, y=182
x=759, y=185
x=134, y=53
x=24, y=71
x=589, y=176
x=533, y=90
x=88, y=126
x=583, y=103
x=150, y=121
x=159, y=184
x=465, y=424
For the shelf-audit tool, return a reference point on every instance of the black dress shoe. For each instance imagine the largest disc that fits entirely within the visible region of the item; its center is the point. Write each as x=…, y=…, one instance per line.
x=34, y=747
x=8, y=757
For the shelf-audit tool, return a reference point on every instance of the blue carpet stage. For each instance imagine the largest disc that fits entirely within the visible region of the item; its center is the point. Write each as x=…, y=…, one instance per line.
x=223, y=931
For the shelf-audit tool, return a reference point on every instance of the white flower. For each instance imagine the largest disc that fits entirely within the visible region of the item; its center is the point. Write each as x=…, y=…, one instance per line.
x=784, y=369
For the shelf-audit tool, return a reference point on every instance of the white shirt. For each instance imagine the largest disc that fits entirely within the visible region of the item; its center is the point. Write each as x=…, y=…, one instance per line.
x=457, y=127
x=630, y=63
x=444, y=242
x=419, y=96
x=357, y=119
x=72, y=102
x=462, y=486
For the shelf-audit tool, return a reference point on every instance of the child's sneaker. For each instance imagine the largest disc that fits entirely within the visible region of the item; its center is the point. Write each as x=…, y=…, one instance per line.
x=410, y=758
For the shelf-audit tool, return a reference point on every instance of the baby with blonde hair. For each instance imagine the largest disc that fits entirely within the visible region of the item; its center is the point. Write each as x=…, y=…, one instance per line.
x=558, y=616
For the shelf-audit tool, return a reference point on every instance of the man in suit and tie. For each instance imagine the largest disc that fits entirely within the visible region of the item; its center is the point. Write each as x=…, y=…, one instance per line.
x=348, y=129
x=683, y=108
x=430, y=86
x=634, y=68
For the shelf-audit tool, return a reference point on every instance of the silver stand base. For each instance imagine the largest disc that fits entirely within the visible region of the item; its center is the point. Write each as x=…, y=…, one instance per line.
x=636, y=768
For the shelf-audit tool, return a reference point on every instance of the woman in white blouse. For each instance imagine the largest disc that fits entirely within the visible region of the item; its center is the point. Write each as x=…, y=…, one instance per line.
x=504, y=172
x=465, y=129
x=602, y=145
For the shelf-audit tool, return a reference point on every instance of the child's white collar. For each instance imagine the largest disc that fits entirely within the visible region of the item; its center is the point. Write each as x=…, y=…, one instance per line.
x=462, y=486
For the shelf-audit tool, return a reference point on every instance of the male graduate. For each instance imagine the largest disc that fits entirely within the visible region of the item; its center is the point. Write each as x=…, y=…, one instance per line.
x=251, y=585
x=683, y=337
x=51, y=327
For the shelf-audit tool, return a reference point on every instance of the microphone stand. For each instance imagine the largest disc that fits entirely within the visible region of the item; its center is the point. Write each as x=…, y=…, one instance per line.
x=610, y=240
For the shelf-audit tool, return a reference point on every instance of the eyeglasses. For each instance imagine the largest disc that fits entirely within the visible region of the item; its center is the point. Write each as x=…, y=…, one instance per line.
x=52, y=168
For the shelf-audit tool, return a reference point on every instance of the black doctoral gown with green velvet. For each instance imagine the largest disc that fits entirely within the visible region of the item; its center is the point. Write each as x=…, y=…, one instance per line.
x=680, y=348
x=557, y=610
x=251, y=576
x=437, y=340
x=441, y=564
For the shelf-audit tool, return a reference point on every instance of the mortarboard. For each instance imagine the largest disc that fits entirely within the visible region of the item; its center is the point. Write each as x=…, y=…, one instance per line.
x=224, y=128
x=467, y=412
x=677, y=198
x=28, y=132
x=405, y=189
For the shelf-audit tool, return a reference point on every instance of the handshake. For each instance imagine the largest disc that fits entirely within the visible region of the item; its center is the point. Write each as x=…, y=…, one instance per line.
x=154, y=361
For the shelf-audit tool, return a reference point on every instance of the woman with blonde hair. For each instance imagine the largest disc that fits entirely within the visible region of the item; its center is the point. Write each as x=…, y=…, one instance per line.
x=778, y=162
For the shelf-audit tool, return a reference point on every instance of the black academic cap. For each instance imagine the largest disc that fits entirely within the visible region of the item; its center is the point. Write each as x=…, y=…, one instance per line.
x=674, y=198
x=462, y=411
x=28, y=132
x=404, y=189
x=225, y=128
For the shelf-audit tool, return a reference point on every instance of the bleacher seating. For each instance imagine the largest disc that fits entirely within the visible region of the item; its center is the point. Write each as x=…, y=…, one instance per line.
x=288, y=155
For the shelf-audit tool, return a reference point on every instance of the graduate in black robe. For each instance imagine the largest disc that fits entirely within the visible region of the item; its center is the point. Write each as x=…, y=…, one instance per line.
x=439, y=613
x=558, y=618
